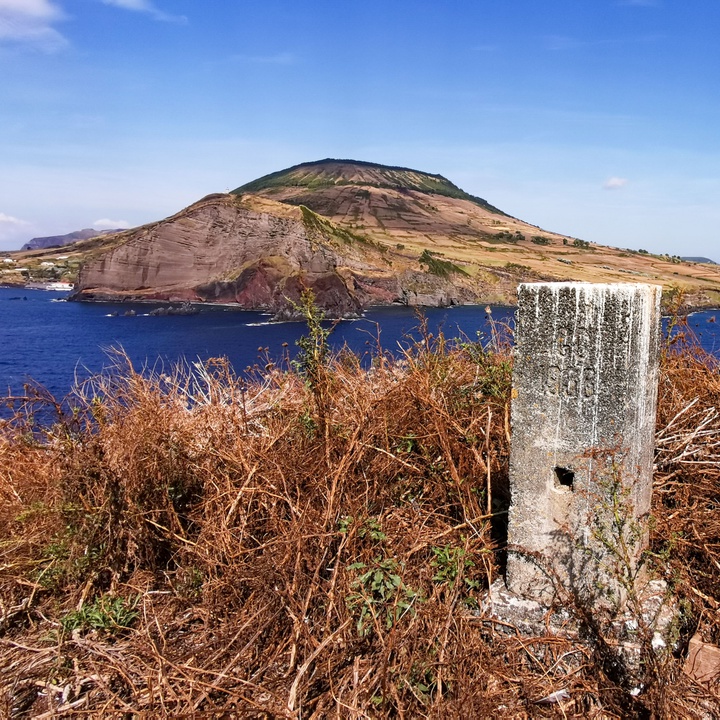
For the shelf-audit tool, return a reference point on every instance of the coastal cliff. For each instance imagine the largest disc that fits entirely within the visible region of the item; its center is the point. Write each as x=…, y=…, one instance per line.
x=260, y=255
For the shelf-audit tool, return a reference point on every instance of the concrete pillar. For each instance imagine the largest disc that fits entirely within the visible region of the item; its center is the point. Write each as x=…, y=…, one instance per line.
x=583, y=428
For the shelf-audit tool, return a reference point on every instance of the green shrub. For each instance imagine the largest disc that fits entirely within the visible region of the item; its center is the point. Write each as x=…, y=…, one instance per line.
x=106, y=614
x=436, y=266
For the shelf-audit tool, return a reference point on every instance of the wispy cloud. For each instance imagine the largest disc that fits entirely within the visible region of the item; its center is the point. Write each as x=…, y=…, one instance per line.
x=13, y=231
x=615, y=183
x=9, y=220
x=30, y=22
x=146, y=6
x=108, y=224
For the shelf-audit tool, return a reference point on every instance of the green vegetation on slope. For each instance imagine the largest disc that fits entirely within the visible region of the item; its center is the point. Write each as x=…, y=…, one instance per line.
x=315, y=223
x=437, y=266
x=331, y=173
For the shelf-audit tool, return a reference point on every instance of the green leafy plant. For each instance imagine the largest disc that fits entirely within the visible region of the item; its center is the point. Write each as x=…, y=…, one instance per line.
x=312, y=364
x=107, y=614
x=61, y=563
x=407, y=444
x=507, y=236
x=451, y=564
x=421, y=682
x=517, y=267
x=614, y=526
x=308, y=424
x=314, y=347
x=379, y=595
x=494, y=376
x=369, y=528
x=317, y=225
x=189, y=582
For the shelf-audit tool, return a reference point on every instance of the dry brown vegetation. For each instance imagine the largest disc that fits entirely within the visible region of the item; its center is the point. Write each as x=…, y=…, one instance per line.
x=315, y=543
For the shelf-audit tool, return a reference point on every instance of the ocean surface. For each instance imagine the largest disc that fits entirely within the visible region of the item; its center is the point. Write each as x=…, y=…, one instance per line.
x=54, y=343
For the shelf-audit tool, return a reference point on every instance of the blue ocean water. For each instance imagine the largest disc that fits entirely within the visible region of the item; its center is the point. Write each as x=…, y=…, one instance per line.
x=54, y=342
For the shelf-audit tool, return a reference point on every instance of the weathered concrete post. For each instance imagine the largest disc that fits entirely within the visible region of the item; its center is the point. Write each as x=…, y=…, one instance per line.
x=583, y=425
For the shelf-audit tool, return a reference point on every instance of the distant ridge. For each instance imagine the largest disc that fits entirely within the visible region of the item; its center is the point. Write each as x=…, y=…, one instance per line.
x=42, y=243
x=708, y=261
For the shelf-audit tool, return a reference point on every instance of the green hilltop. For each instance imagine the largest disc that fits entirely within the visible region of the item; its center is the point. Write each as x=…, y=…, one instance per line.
x=334, y=173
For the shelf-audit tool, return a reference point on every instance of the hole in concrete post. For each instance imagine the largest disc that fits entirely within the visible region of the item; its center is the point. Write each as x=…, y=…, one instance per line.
x=565, y=478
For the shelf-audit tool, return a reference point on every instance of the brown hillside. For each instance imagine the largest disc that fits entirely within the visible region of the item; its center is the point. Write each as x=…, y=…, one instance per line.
x=358, y=234
x=394, y=208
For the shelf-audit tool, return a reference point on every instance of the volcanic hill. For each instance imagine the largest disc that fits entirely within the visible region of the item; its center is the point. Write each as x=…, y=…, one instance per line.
x=357, y=234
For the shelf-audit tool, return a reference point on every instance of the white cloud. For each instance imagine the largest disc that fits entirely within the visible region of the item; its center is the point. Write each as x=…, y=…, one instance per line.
x=615, y=183
x=10, y=220
x=30, y=22
x=107, y=224
x=42, y=9
x=13, y=231
x=146, y=6
x=141, y=5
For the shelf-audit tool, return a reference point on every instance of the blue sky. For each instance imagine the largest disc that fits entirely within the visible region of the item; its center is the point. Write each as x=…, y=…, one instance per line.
x=594, y=118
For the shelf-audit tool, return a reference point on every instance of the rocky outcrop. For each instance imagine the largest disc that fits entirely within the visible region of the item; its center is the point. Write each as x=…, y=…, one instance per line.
x=264, y=286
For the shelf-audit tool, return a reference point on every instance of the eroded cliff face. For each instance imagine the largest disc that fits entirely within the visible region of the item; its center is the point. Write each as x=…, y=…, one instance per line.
x=260, y=254
x=207, y=241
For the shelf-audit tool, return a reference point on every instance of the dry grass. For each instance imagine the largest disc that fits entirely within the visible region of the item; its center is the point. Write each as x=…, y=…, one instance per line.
x=310, y=545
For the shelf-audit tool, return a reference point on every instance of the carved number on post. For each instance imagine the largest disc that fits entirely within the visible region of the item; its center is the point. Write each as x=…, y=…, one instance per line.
x=571, y=382
x=576, y=346
x=575, y=380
